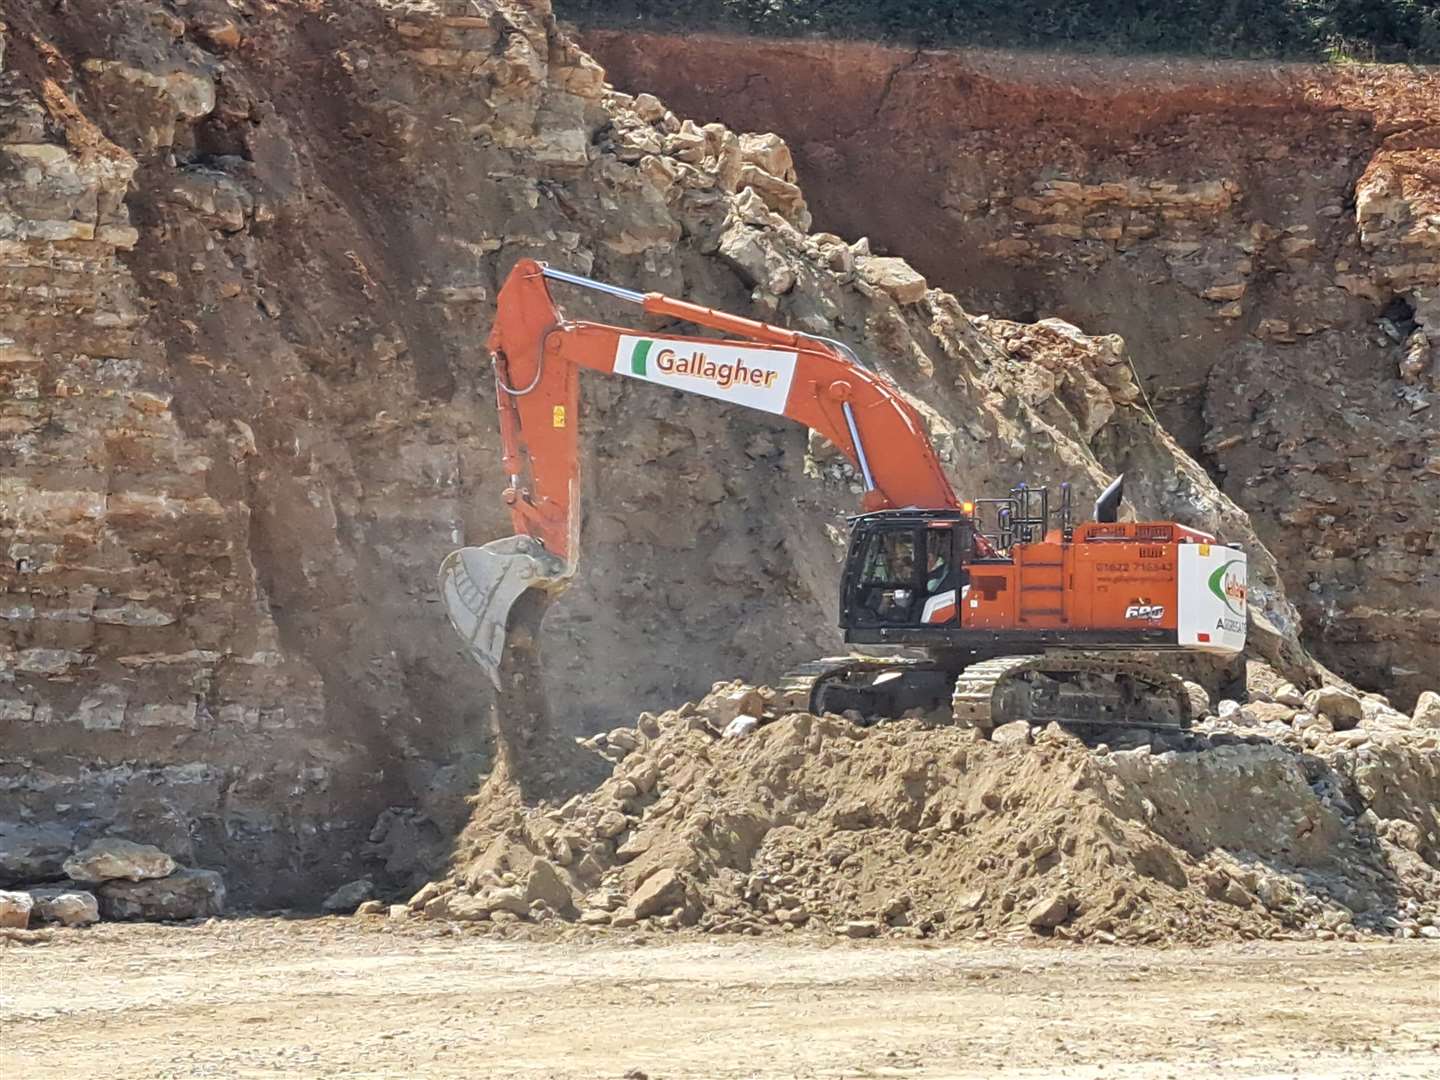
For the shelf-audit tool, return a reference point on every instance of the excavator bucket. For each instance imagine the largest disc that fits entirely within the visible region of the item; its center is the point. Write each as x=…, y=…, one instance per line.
x=481, y=587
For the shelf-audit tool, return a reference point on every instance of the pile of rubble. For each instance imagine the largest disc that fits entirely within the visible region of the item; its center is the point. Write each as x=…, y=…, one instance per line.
x=117, y=879
x=1312, y=815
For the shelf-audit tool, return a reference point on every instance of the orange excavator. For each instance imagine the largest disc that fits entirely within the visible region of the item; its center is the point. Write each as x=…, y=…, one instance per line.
x=1006, y=609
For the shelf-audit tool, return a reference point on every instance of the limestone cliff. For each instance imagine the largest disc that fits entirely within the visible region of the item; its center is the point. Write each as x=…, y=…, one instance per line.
x=252, y=250
x=1264, y=236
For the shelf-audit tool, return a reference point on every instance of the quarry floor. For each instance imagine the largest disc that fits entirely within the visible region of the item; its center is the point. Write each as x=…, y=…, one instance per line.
x=267, y=997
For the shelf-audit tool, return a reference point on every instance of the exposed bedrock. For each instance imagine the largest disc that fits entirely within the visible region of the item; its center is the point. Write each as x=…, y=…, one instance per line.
x=1264, y=237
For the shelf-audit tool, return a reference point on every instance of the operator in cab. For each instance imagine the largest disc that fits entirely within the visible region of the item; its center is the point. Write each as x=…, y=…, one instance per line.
x=938, y=576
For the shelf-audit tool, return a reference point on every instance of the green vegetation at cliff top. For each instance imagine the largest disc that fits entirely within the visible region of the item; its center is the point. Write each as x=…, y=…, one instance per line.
x=1336, y=30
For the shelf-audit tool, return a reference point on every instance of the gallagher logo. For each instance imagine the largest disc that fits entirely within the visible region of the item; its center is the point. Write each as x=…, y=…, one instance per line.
x=1229, y=587
x=757, y=377
x=698, y=366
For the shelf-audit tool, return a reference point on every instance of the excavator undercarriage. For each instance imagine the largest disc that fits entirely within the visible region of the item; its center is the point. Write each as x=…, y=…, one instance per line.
x=1070, y=688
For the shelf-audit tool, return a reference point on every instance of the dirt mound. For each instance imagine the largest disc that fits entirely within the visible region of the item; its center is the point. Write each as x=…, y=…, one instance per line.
x=825, y=825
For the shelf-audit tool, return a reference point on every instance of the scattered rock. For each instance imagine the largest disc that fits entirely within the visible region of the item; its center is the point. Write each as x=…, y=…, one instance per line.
x=1427, y=710
x=185, y=894
x=662, y=891
x=1199, y=698
x=1234, y=893
x=349, y=896
x=1340, y=707
x=623, y=740
x=1287, y=694
x=1274, y=892
x=546, y=883
x=510, y=899
x=649, y=107
x=425, y=894
x=1015, y=733
x=459, y=906
x=112, y=859
x=68, y=907
x=1048, y=912
x=220, y=31
x=860, y=928
x=740, y=727
x=894, y=276
x=368, y=908
x=727, y=701
x=611, y=824
x=1260, y=713
x=15, y=909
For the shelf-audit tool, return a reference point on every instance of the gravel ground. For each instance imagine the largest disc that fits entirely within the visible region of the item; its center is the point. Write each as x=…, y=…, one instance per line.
x=263, y=997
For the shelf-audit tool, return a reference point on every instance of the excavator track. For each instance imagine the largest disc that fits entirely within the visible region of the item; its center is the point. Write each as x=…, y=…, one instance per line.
x=837, y=684
x=1070, y=688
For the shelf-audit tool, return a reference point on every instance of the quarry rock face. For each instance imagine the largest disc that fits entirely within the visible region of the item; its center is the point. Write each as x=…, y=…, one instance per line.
x=32, y=853
x=245, y=409
x=1265, y=239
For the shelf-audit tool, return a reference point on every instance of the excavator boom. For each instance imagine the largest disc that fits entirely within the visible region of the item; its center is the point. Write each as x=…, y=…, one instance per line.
x=538, y=355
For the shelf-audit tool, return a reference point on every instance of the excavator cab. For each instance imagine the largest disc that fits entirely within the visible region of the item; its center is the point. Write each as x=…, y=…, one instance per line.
x=906, y=570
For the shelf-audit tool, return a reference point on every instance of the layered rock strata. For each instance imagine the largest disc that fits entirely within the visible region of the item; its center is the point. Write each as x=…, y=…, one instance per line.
x=246, y=408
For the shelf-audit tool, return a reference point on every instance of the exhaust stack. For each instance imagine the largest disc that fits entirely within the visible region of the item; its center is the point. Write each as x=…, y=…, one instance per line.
x=1107, y=506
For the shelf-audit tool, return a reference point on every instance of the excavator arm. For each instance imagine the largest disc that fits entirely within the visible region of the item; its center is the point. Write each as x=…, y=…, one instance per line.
x=538, y=355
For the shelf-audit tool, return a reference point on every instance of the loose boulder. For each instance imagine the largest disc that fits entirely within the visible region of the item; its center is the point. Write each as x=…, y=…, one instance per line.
x=1015, y=733
x=112, y=859
x=546, y=883
x=15, y=908
x=894, y=276
x=726, y=701
x=349, y=896
x=1261, y=713
x=185, y=894
x=1427, y=710
x=1340, y=707
x=68, y=907
x=510, y=899
x=660, y=893
x=1048, y=912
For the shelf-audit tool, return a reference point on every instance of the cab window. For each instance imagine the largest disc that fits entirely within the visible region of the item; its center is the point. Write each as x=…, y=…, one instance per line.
x=889, y=577
x=891, y=558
